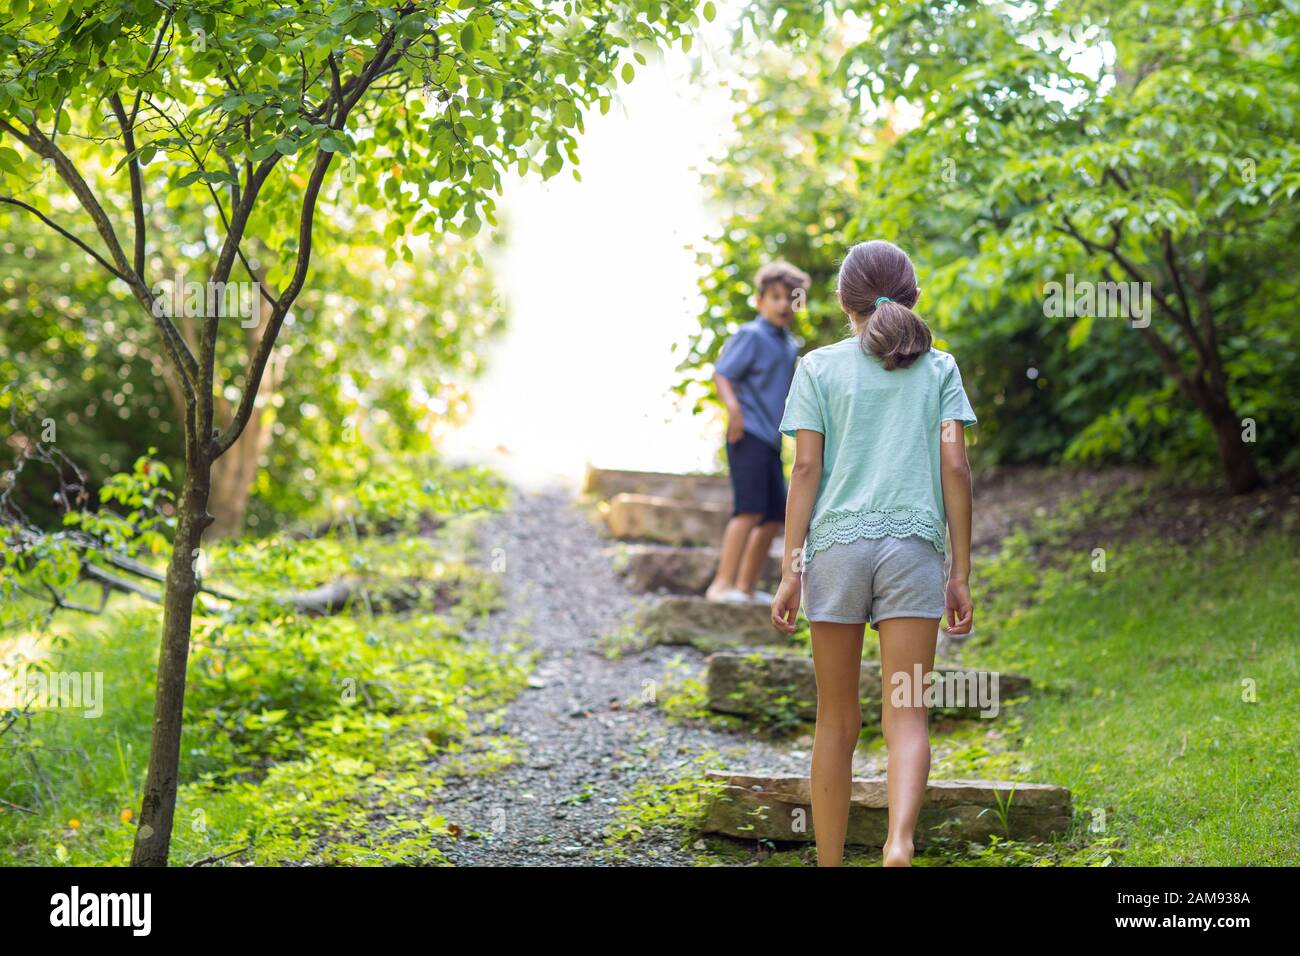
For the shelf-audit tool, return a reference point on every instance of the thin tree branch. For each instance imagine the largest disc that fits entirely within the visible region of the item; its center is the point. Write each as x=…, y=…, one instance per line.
x=153, y=58
x=257, y=366
x=137, y=186
x=177, y=348
x=63, y=232
x=380, y=62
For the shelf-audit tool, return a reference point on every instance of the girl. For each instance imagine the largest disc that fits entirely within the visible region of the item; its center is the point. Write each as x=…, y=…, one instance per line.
x=880, y=467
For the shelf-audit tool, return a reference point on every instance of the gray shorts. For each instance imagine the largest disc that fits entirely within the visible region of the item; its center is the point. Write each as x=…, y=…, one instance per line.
x=873, y=579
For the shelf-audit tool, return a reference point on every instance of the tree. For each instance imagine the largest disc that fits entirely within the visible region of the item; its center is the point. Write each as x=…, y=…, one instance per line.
x=244, y=107
x=967, y=133
x=789, y=181
x=401, y=341
x=1173, y=164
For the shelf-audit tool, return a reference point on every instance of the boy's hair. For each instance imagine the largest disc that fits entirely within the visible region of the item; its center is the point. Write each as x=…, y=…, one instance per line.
x=891, y=331
x=783, y=272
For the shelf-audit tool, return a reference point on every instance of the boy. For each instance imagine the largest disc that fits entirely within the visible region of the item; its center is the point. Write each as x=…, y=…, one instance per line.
x=753, y=375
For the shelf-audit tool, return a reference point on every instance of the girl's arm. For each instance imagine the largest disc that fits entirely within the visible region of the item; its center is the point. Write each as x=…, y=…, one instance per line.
x=954, y=471
x=805, y=479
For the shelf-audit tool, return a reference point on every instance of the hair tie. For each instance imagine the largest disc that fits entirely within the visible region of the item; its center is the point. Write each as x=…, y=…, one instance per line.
x=883, y=298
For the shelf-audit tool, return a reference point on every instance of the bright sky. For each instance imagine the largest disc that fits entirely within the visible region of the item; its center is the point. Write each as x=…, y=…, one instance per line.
x=599, y=286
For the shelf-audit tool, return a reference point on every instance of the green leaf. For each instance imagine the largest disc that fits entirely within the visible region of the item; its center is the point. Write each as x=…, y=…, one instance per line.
x=468, y=38
x=1079, y=332
x=365, y=24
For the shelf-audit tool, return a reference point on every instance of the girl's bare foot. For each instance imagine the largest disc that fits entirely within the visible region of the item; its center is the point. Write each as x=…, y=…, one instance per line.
x=897, y=853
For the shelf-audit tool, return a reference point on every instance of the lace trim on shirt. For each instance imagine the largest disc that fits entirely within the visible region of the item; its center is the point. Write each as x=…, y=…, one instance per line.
x=843, y=527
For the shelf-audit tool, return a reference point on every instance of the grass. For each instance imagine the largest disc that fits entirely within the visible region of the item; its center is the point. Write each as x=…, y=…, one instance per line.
x=307, y=740
x=1167, y=696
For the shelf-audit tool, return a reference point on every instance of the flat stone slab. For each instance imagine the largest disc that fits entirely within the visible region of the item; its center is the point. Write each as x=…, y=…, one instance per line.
x=638, y=517
x=701, y=487
x=654, y=567
x=779, y=808
x=709, y=625
x=749, y=684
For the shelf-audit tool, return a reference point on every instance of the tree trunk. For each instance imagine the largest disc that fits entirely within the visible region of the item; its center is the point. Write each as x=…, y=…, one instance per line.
x=1234, y=452
x=234, y=472
x=233, y=475
x=153, y=836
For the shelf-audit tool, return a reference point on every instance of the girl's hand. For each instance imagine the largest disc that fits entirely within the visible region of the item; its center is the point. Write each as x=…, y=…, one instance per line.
x=785, y=605
x=959, y=610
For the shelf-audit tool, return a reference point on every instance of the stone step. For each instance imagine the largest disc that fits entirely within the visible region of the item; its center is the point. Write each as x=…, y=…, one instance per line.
x=637, y=517
x=749, y=684
x=705, y=488
x=709, y=625
x=652, y=567
x=780, y=808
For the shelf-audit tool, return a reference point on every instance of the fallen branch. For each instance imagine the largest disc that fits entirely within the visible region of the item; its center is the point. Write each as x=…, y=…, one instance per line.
x=353, y=527
x=111, y=582
x=215, y=859
x=337, y=596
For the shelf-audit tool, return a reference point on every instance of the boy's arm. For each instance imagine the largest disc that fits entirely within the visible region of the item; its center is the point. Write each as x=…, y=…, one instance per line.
x=737, y=358
x=736, y=418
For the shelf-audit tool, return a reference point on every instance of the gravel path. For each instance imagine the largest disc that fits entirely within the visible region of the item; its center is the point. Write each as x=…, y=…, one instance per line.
x=560, y=589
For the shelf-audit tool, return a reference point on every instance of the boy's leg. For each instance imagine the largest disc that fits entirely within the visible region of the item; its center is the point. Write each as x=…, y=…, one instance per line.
x=737, y=533
x=757, y=547
x=748, y=504
x=760, y=540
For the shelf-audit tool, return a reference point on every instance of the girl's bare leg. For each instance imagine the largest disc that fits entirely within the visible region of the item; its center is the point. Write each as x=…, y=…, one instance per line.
x=837, y=661
x=904, y=643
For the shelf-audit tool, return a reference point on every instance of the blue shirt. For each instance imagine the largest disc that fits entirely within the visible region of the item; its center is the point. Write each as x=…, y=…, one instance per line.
x=759, y=362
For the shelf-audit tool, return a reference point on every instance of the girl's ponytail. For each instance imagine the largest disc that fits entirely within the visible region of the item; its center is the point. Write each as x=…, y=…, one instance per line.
x=877, y=286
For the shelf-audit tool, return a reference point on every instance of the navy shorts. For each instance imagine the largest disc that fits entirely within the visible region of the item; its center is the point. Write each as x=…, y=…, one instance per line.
x=757, y=480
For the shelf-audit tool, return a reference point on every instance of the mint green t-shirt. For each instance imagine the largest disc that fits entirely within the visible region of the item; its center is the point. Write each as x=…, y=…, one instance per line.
x=880, y=464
